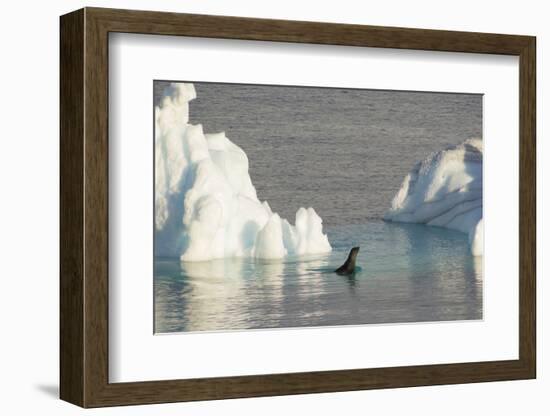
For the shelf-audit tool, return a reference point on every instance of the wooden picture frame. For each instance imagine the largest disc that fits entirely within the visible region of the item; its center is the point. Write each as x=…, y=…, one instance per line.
x=84, y=207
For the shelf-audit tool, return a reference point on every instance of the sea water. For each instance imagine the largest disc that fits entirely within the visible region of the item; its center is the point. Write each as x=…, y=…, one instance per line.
x=345, y=153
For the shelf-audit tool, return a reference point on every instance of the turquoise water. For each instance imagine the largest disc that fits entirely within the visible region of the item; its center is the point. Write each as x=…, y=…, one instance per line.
x=408, y=273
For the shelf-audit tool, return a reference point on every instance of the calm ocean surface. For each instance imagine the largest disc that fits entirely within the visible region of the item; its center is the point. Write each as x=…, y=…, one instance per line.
x=345, y=153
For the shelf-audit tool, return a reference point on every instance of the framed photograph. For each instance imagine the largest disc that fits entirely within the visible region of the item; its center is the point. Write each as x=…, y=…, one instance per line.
x=255, y=207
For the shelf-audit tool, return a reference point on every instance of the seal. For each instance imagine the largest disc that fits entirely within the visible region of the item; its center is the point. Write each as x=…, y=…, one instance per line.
x=349, y=266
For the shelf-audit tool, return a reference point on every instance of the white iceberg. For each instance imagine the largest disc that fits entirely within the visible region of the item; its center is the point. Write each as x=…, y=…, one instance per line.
x=445, y=190
x=206, y=206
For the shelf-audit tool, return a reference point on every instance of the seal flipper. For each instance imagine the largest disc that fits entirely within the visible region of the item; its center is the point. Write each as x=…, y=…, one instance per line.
x=349, y=266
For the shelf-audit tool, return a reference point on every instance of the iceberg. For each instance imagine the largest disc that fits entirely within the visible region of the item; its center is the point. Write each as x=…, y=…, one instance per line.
x=206, y=206
x=445, y=190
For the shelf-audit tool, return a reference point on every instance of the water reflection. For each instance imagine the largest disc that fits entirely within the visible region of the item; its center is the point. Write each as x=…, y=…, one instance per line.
x=406, y=273
x=213, y=287
x=442, y=289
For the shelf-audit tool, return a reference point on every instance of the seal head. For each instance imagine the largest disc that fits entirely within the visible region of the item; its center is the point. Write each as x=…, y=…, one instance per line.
x=349, y=266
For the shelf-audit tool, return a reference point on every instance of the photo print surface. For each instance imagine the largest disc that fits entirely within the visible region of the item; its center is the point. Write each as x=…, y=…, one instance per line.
x=292, y=206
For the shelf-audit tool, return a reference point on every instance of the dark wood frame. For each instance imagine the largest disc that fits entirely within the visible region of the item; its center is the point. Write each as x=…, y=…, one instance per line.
x=84, y=207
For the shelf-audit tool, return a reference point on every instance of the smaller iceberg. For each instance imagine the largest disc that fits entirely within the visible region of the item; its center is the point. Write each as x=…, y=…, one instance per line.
x=206, y=206
x=445, y=190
